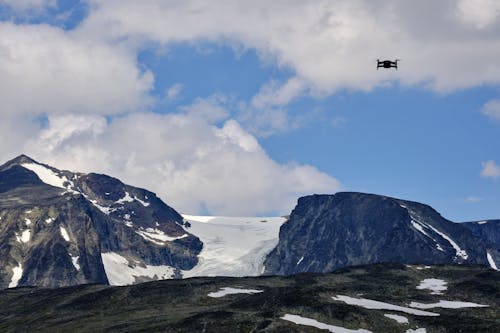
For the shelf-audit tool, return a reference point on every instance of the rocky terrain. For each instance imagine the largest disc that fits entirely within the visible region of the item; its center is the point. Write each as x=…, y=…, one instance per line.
x=488, y=230
x=328, y=232
x=59, y=228
x=389, y=298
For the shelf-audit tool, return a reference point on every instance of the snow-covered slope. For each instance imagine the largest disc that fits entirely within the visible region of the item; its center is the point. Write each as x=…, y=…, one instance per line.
x=233, y=246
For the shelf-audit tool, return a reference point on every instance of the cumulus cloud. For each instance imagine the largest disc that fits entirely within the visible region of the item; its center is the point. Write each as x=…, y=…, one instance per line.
x=328, y=44
x=490, y=170
x=44, y=69
x=492, y=109
x=192, y=164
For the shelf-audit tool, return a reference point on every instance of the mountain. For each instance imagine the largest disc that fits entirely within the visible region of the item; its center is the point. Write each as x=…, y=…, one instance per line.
x=489, y=230
x=328, y=232
x=389, y=298
x=59, y=228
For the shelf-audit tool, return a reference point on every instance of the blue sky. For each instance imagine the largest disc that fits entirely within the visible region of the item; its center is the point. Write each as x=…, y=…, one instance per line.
x=238, y=109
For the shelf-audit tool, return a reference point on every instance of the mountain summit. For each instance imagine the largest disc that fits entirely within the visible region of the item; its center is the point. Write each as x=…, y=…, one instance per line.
x=60, y=228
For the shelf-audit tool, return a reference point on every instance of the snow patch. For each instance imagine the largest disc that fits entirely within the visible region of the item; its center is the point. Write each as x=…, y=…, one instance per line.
x=17, y=273
x=48, y=176
x=233, y=246
x=230, y=291
x=104, y=209
x=49, y=220
x=447, y=305
x=121, y=271
x=418, y=330
x=27, y=222
x=322, y=326
x=74, y=260
x=437, y=286
x=25, y=236
x=423, y=267
x=398, y=318
x=157, y=236
x=144, y=203
x=482, y=222
x=300, y=260
x=371, y=304
x=64, y=233
x=126, y=198
x=491, y=261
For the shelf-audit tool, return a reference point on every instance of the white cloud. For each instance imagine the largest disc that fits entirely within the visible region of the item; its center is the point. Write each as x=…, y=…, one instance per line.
x=183, y=158
x=211, y=109
x=173, y=91
x=473, y=199
x=492, y=109
x=490, y=170
x=274, y=94
x=479, y=13
x=44, y=69
x=328, y=44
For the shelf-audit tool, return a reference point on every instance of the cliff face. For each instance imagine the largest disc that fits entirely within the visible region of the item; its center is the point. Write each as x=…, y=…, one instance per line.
x=488, y=230
x=327, y=232
x=59, y=228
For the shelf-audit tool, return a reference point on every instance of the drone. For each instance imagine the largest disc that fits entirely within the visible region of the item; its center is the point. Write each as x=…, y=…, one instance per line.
x=387, y=64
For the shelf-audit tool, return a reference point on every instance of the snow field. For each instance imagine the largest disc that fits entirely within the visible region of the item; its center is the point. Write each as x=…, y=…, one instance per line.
x=233, y=246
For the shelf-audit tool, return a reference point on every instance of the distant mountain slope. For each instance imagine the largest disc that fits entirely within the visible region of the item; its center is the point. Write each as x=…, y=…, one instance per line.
x=381, y=298
x=328, y=232
x=489, y=230
x=59, y=228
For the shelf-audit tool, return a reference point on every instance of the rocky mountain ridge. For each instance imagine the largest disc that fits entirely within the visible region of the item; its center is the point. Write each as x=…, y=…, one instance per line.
x=328, y=232
x=59, y=228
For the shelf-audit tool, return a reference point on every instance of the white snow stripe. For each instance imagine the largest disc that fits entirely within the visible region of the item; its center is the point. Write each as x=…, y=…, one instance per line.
x=230, y=291
x=398, y=318
x=446, y=305
x=491, y=261
x=372, y=304
x=459, y=252
x=322, y=326
x=64, y=233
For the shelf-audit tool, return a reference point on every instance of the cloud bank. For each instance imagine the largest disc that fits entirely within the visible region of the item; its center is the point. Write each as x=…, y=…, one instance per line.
x=328, y=44
x=194, y=165
x=79, y=99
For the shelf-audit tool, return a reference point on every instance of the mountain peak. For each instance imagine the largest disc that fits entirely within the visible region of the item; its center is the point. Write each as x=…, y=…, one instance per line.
x=17, y=161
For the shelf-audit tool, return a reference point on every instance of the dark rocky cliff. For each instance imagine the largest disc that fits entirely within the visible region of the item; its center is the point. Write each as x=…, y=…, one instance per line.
x=327, y=232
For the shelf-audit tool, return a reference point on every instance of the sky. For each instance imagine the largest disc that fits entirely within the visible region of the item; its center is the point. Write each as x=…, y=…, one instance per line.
x=240, y=107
